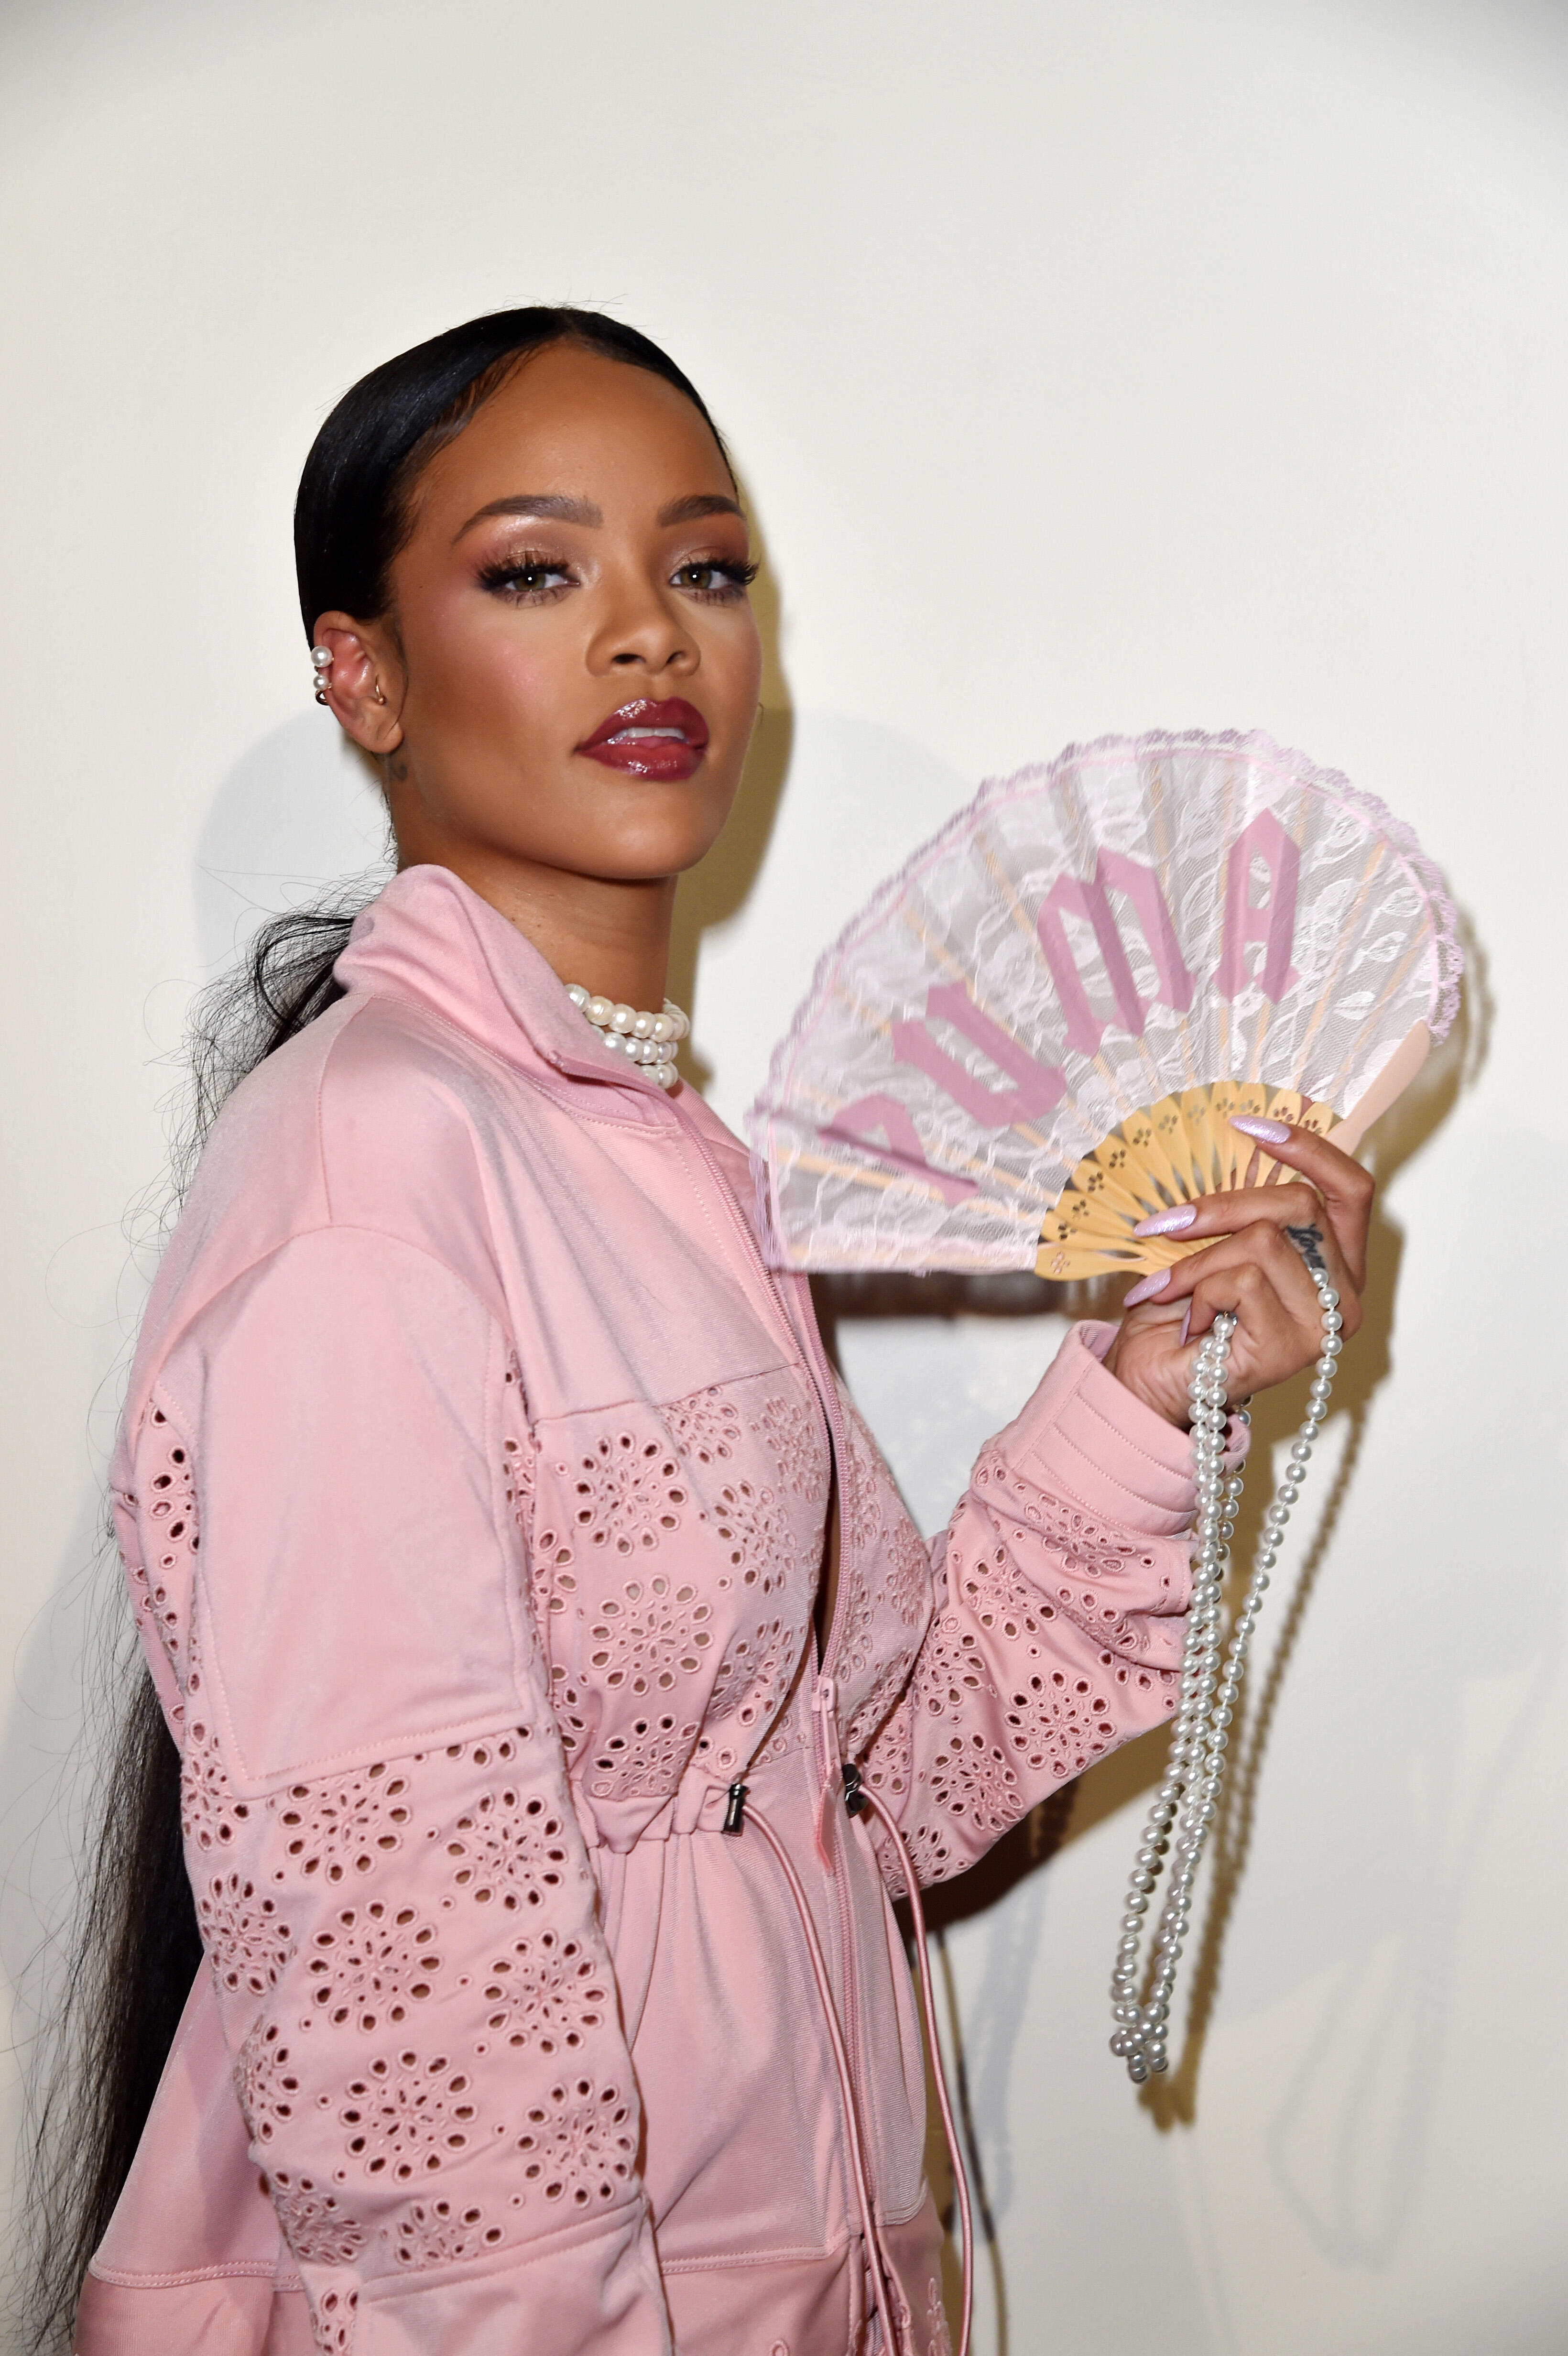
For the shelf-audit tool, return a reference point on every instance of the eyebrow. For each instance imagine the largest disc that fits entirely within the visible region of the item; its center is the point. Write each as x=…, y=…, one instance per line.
x=553, y=504
x=701, y=503
x=561, y=509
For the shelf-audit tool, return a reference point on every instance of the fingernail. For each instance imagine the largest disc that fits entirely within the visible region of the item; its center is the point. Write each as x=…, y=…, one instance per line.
x=1267, y=1132
x=1147, y=1287
x=1168, y=1223
x=1185, y=1326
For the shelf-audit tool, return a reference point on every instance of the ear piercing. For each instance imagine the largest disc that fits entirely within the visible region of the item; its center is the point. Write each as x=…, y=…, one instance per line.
x=322, y=659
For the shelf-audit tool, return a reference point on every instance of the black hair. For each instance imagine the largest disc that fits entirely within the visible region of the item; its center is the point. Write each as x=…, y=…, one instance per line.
x=136, y=1947
x=354, y=507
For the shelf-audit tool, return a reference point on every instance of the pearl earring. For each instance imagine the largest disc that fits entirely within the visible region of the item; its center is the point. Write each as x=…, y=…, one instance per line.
x=322, y=659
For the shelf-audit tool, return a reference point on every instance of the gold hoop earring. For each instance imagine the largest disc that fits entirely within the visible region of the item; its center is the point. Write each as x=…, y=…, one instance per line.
x=380, y=697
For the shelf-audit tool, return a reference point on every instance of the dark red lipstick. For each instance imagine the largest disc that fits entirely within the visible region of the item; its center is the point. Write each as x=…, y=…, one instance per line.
x=650, y=740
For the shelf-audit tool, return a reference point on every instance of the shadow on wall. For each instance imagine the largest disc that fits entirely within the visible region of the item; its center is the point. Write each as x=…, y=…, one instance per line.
x=300, y=813
x=718, y=887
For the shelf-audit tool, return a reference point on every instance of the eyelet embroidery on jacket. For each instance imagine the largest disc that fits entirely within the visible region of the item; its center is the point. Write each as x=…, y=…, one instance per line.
x=938, y=2342
x=246, y=1936
x=756, y=1536
x=629, y=1494
x=271, y=2090
x=164, y=1509
x=333, y=2321
x=1054, y=1720
x=705, y=1425
x=649, y=1634
x=547, y=1993
x=571, y=1707
x=889, y=1764
x=930, y=1855
x=1061, y=1723
x=971, y=1779
x=316, y=2231
x=886, y=1578
x=755, y=1671
x=511, y=1848
x=1087, y=1555
x=798, y=1443
x=789, y=1735
x=519, y=1455
x=645, y=1760
x=369, y=1964
x=440, y=2234
x=210, y=1816
x=343, y=1828
x=951, y=1668
x=408, y=2115
x=580, y=2143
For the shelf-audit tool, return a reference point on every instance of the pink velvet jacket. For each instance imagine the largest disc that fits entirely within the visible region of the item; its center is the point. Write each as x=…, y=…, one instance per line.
x=472, y=1493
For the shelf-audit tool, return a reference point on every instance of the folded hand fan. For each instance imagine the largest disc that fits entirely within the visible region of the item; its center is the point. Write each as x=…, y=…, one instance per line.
x=1035, y=1035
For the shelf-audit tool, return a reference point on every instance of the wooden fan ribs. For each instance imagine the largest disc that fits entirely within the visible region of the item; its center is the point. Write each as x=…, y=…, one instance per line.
x=1170, y=1153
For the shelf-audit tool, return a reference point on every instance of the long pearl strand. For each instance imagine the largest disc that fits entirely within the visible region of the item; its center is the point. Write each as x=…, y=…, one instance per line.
x=1187, y=1802
x=631, y=1031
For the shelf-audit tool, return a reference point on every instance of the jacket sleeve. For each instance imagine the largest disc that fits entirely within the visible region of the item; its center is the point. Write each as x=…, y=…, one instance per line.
x=394, y=1891
x=1059, y=1588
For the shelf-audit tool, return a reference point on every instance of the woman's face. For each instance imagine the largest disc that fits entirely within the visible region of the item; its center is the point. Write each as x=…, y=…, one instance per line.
x=572, y=666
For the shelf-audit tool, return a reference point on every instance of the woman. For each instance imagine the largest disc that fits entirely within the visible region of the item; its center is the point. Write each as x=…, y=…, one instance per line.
x=501, y=1541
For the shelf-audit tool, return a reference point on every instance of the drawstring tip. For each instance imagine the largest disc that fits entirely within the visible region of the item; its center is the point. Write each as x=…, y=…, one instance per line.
x=734, y=1821
x=854, y=1798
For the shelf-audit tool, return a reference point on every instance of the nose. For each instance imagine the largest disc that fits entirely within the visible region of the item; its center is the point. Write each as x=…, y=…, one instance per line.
x=644, y=628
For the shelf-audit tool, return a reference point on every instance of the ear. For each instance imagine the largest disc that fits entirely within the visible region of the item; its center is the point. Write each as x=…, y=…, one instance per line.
x=365, y=685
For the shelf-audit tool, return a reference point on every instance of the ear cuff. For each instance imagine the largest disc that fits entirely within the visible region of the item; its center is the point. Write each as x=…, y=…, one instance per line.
x=321, y=657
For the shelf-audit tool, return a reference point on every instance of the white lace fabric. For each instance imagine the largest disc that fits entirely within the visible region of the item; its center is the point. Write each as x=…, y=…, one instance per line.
x=1142, y=917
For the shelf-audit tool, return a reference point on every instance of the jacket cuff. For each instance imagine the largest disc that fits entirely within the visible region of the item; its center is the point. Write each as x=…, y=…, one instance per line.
x=1084, y=1436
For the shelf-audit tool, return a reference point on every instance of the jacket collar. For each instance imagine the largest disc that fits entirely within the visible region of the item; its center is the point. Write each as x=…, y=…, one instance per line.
x=429, y=937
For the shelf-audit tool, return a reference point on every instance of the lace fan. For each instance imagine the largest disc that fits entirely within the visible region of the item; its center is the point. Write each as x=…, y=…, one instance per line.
x=1035, y=1035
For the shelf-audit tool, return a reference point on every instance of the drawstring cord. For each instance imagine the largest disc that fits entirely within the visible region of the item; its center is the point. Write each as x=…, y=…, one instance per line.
x=867, y=1798
x=858, y=1795
x=845, y=2082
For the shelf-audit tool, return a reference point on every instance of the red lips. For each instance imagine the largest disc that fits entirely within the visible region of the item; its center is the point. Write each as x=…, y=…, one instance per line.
x=646, y=739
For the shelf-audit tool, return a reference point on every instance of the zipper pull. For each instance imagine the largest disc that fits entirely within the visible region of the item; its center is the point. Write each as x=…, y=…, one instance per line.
x=735, y=1810
x=854, y=1800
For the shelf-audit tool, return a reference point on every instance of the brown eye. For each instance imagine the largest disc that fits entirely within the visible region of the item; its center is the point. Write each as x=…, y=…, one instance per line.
x=713, y=577
x=526, y=577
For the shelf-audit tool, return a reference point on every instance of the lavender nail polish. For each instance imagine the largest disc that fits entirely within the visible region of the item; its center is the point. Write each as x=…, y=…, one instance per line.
x=1147, y=1287
x=1168, y=1223
x=1186, y=1327
x=1267, y=1132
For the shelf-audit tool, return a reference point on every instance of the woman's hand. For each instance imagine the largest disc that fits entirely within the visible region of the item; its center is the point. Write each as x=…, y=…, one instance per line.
x=1254, y=1270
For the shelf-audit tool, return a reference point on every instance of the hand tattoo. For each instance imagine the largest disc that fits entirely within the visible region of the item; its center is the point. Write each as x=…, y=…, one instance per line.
x=1308, y=1242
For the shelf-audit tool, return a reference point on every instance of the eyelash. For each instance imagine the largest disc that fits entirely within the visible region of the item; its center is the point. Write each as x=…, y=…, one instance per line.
x=505, y=573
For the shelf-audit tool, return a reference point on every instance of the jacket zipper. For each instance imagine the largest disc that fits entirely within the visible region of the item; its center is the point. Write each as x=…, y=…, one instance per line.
x=824, y=1690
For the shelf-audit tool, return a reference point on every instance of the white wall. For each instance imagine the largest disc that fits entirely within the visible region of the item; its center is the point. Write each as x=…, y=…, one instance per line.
x=1157, y=361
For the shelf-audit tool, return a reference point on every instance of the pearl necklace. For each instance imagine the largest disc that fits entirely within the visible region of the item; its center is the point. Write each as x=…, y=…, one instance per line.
x=642, y=1038
x=1187, y=1800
